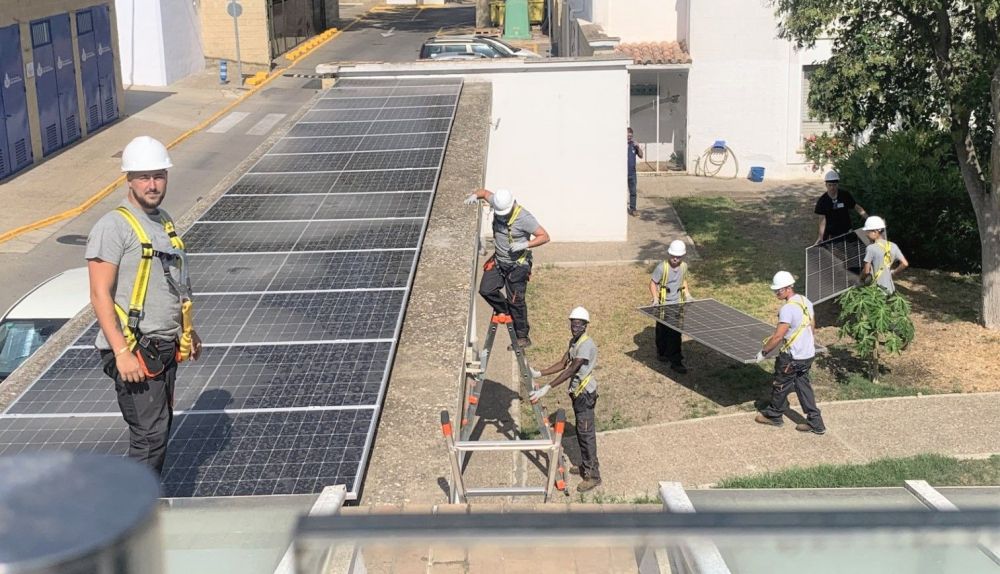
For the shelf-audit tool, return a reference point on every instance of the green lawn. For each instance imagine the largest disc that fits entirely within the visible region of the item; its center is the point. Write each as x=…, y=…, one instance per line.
x=936, y=469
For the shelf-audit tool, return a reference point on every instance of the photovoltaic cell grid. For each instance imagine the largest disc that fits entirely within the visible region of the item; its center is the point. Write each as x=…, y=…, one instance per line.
x=835, y=265
x=715, y=325
x=302, y=270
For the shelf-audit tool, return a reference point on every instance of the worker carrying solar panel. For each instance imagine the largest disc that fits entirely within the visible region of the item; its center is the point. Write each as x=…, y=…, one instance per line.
x=515, y=232
x=141, y=295
x=834, y=209
x=668, y=286
x=883, y=259
x=794, y=338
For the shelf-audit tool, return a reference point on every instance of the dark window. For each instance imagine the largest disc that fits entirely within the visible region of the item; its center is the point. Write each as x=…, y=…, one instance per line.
x=486, y=51
x=84, y=22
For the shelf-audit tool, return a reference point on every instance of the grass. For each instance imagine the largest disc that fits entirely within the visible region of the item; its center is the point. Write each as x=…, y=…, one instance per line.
x=616, y=421
x=936, y=469
x=599, y=498
x=858, y=386
x=698, y=408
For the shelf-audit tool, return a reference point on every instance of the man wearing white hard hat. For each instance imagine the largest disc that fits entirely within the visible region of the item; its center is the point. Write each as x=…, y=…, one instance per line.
x=834, y=209
x=141, y=297
x=794, y=338
x=577, y=366
x=883, y=259
x=515, y=232
x=668, y=286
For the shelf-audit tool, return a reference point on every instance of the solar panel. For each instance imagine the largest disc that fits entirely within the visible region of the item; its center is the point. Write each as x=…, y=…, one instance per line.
x=308, y=271
x=717, y=326
x=835, y=265
x=301, y=272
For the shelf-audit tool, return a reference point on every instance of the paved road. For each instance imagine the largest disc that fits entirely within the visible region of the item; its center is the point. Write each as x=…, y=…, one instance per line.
x=208, y=157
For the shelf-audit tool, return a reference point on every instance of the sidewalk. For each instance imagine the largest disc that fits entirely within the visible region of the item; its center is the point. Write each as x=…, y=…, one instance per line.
x=74, y=175
x=703, y=451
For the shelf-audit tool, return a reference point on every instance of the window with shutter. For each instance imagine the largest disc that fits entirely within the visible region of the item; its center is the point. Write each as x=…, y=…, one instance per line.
x=810, y=123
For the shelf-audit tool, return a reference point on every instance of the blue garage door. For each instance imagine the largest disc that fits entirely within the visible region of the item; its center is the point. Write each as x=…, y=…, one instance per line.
x=55, y=80
x=15, y=143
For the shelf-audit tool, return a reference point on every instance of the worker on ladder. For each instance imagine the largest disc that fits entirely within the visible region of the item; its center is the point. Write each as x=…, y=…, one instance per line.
x=515, y=232
x=577, y=366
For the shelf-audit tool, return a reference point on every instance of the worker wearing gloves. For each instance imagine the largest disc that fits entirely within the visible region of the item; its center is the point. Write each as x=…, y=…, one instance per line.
x=141, y=297
x=794, y=335
x=577, y=366
x=883, y=259
x=668, y=286
x=515, y=232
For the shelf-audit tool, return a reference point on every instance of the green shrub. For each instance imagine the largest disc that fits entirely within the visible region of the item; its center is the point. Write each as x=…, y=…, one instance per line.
x=911, y=178
x=875, y=322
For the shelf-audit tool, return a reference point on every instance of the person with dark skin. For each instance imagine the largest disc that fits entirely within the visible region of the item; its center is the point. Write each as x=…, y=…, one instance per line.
x=634, y=151
x=577, y=366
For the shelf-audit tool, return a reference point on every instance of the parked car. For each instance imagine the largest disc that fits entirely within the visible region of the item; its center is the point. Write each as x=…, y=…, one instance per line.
x=484, y=46
x=39, y=314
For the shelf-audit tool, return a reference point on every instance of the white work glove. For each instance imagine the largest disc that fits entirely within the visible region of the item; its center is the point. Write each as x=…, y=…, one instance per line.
x=472, y=199
x=760, y=355
x=539, y=393
x=519, y=245
x=655, y=302
x=535, y=373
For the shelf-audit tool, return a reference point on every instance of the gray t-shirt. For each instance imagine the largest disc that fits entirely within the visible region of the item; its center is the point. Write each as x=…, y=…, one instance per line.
x=586, y=349
x=675, y=280
x=113, y=240
x=875, y=254
x=804, y=346
x=503, y=234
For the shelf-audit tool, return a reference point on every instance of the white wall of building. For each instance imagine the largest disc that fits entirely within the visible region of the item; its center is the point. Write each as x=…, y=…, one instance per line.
x=745, y=87
x=640, y=20
x=159, y=41
x=557, y=143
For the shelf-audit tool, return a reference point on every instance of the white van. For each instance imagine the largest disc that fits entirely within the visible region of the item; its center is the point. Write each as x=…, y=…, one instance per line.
x=39, y=314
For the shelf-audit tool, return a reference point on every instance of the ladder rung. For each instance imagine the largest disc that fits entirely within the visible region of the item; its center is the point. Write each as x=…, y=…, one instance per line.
x=507, y=491
x=476, y=445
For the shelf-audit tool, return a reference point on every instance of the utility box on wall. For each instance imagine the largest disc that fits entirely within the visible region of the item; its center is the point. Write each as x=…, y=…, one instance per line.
x=15, y=132
x=97, y=66
x=55, y=82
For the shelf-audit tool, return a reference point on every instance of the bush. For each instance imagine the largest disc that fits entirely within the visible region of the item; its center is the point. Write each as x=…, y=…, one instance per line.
x=911, y=178
x=876, y=322
x=825, y=149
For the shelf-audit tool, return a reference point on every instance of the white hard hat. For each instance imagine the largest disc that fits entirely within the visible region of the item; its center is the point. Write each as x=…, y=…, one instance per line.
x=832, y=175
x=782, y=279
x=874, y=223
x=503, y=201
x=145, y=154
x=677, y=248
x=579, y=313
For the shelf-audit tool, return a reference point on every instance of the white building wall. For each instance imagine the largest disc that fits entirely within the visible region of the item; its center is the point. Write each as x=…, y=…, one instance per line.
x=183, y=54
x=639, y=20
x=150, y=57
x=745, y=86
x=557, y=143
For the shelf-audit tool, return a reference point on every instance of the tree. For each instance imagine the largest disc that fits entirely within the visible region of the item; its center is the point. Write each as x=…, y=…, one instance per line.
x=932, y=63
x=876, y=322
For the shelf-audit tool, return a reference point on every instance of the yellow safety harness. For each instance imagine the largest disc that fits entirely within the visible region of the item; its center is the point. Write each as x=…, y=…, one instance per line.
x=130, y=319
x=886, y=258
x=510, y=239
x=663, y=281
x=806, y=322
x=578, y=389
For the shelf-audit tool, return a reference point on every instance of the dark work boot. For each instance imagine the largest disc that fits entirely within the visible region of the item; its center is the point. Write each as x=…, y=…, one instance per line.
x=766, y=421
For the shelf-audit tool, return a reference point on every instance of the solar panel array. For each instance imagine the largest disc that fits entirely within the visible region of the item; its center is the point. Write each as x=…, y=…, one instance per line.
x=715, y=325
x=834, y=266
x=302, y=271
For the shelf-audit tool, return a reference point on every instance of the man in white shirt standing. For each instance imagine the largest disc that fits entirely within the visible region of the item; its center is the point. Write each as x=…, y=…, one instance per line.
x=794, y=334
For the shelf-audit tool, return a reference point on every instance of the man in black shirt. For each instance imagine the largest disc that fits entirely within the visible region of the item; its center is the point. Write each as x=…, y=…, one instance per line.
x=834, y=209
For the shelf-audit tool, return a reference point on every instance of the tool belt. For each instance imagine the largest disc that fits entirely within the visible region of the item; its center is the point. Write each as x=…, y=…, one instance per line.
x=146, y=351
x=155, y=356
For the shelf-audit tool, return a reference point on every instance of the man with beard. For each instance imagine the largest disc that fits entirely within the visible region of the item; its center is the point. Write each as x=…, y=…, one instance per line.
x=137, y=288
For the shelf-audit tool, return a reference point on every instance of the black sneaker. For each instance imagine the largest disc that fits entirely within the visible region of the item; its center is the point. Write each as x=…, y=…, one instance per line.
x=633, y=212
x=523, y=342
x=806, y=427
x=766, y=421
x=679, y=367
x=588, y=484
